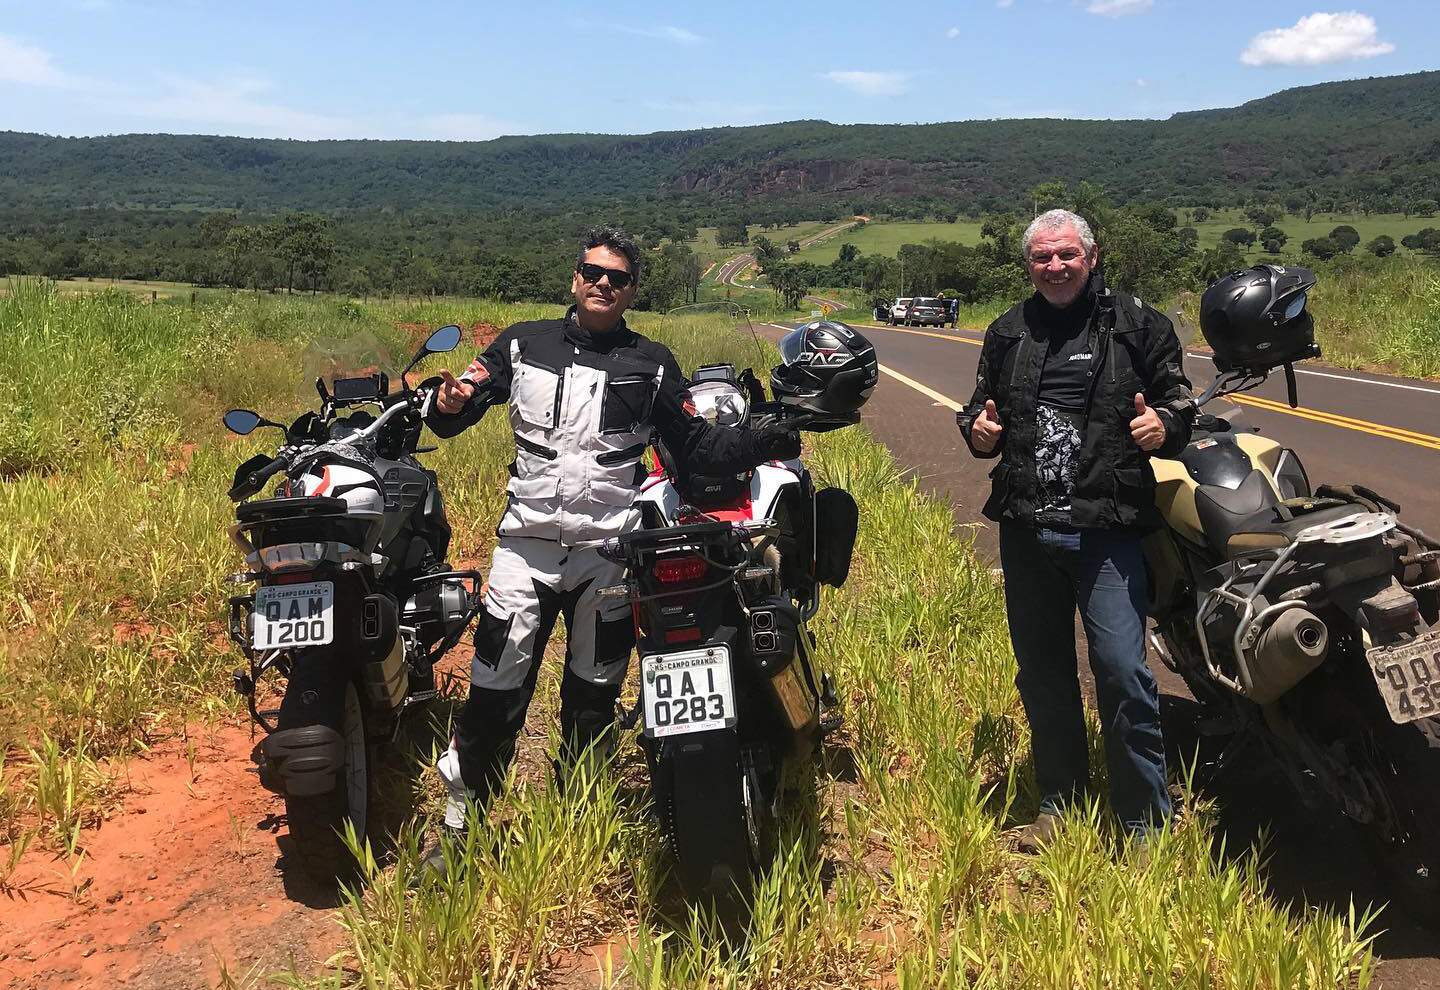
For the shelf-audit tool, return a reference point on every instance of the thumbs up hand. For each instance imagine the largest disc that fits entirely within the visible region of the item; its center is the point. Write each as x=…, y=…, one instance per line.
x=985, y=431
x=1146, y=429
x=453, y=394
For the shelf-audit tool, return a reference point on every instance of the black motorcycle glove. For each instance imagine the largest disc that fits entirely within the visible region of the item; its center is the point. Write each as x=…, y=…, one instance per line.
x=775, y=443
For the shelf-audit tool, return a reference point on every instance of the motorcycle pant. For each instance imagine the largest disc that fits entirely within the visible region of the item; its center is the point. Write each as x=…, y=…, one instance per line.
x=533, y=582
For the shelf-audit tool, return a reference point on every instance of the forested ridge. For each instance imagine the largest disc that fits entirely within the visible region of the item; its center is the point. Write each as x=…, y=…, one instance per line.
x=1365, y=144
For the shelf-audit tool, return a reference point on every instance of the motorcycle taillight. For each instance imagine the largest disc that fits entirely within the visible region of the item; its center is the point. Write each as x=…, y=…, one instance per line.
x=680, y=569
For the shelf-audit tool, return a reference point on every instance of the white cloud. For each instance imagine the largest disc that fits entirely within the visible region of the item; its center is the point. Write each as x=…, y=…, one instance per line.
x=953, y=33
x=1142, y=82
x=1317, y=39
x=1118, y=8
x=238, y=105
x=32, y=66
x=678, y=35
x=871, y=83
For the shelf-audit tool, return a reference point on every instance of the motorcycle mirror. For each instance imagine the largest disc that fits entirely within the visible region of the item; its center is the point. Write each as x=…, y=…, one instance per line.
x=447, y=338
x=243, y=422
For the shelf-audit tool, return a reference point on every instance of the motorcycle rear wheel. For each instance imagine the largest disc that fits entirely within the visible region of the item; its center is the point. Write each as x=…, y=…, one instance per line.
x=316, y=821
x=699, y=792
x=1408, y=768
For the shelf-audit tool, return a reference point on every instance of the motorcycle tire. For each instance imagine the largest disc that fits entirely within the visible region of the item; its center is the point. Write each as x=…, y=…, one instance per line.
x=699, y=791
x=1408, y=767
x=317, y=821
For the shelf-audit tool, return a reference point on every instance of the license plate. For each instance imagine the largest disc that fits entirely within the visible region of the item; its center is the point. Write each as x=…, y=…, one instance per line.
x=294, y=615
x=687, y=692
x=1408, y=675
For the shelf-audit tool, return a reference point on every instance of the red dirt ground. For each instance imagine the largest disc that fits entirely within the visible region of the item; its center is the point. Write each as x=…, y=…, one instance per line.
x=181, y=878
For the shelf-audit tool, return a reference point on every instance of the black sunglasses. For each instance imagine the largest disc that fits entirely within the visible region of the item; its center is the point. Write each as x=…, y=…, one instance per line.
x=619, y=278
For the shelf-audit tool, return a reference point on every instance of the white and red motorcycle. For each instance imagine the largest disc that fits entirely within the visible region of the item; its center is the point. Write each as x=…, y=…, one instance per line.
x=722, y=578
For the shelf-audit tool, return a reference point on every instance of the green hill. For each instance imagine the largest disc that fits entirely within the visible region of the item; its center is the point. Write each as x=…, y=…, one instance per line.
x=1370, y=144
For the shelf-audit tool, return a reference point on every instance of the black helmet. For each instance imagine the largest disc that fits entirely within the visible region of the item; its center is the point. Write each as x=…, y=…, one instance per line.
x=825, y=368
x=1256, y=319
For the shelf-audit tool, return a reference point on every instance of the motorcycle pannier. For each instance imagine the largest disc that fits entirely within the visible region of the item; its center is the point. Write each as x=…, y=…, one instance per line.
x=837, y=518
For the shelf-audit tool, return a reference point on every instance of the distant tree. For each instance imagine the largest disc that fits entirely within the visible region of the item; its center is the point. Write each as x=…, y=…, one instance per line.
x=792, y=246
x=1345, y=237
x=1218, y=261
x=1321, y=247
x=1239, y=235
x=849, y=252
x=1004, y=233
x=1048, y=196
x=1189, y=238
x=765, y=250
x=1200, y=214
x=792, y=281
x=1427, y=240
x=1382, y=246
x=1422, y=208
x=732, y=232
x=1272, y=239
x=1263, y=216
x=1157, y=217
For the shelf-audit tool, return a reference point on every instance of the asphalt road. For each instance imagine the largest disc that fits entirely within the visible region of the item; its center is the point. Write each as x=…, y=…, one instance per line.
x=1381, y=431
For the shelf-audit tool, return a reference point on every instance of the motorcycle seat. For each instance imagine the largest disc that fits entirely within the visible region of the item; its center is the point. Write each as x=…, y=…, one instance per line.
x=1251, y=518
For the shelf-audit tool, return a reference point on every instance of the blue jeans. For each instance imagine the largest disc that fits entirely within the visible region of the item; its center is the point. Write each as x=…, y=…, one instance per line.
x=1047, y=573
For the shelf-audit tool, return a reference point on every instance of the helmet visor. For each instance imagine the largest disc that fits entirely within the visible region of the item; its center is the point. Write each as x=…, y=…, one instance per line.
x=1295, y=306
x=792, y=345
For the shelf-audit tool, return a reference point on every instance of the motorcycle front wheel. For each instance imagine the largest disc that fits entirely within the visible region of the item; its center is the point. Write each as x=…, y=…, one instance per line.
x=317, y=821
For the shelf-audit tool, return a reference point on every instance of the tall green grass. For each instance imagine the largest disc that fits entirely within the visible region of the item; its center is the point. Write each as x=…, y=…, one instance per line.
x=895, y=871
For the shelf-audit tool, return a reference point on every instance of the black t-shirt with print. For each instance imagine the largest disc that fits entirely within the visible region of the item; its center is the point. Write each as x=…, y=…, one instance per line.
x=1064, y=382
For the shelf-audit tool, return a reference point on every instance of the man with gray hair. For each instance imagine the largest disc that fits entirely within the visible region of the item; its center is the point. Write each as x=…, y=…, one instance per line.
x=1077, y=388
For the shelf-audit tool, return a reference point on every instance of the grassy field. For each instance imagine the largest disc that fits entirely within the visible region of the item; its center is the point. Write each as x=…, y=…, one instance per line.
x=705, y=247
x=898, y=873
x=885, y=238
x=1299, y=230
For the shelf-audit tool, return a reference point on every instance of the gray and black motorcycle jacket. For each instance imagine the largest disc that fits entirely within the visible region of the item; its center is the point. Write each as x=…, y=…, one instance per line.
x=1133, y=349
x=583, y=408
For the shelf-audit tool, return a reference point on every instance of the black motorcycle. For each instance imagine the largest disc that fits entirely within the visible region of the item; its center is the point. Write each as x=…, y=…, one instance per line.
x=354, y=601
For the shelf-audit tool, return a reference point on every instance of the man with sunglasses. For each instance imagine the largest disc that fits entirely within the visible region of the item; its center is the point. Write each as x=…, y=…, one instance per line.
x=1077, y=389
x=586, y=396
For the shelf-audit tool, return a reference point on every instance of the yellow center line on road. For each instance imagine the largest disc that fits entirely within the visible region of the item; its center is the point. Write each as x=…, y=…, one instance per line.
x=1344, y=422
x=1269, y=405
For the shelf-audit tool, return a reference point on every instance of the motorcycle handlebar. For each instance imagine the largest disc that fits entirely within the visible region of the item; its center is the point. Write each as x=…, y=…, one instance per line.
x=262, y=474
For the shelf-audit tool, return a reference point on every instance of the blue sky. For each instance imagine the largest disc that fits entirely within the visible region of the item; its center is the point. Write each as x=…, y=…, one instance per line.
x=470, y=71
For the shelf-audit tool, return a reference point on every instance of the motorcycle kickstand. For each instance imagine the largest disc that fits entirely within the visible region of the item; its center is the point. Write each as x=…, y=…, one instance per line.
x=831, y=715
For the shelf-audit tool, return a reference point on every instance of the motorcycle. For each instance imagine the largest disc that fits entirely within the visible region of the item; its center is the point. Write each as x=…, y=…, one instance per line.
x=353, y=600
x=722, y=577
x=1307, y=619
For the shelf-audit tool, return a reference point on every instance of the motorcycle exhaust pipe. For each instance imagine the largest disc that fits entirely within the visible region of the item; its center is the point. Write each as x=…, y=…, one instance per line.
x=1289, y=648
x=773, y=635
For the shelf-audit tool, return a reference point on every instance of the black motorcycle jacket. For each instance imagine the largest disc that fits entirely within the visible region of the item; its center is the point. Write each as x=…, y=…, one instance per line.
x=583, y=408
x=1133, y=348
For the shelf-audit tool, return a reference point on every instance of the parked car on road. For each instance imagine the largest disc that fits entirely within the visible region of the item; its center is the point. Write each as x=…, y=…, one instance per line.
x=899, y=310
x=926, y=311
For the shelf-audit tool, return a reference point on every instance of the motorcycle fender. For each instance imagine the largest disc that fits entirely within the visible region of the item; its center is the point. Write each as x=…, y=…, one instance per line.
x=302, y=761
x=304, y=753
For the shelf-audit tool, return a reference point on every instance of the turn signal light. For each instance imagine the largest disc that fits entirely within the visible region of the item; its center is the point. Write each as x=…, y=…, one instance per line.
x=679, y=570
